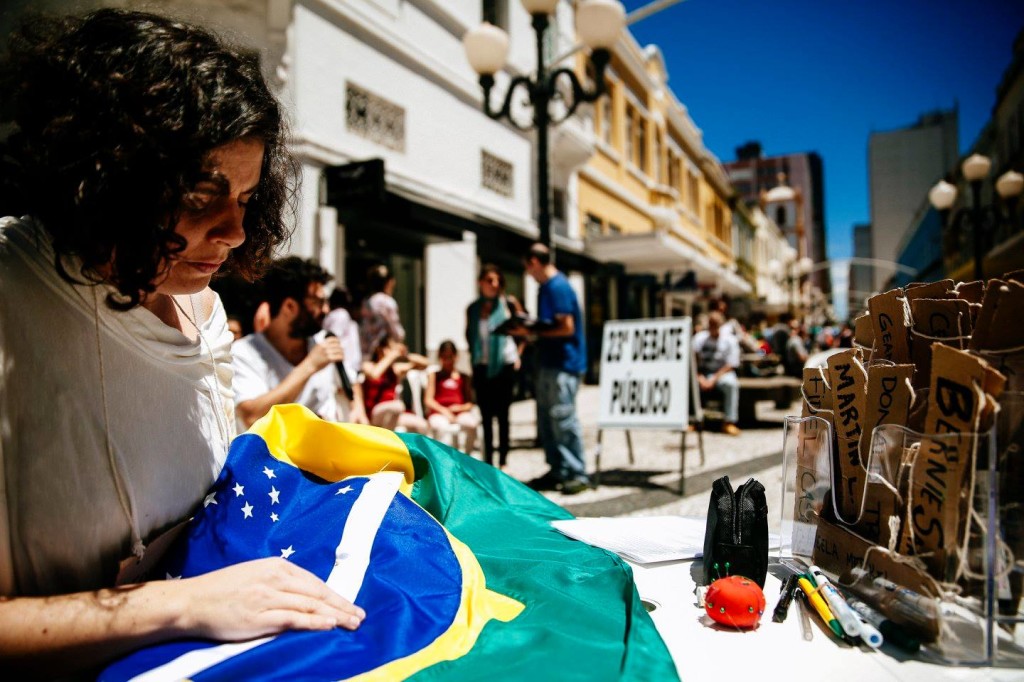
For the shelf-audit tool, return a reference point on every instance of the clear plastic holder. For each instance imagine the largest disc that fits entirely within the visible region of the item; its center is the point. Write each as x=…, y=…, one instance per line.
x=978, y=601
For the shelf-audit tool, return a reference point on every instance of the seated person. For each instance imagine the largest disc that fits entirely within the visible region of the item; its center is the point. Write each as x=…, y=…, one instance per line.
x=448, y=400
x=717, y=357
x=292, y=360
x=382, y=374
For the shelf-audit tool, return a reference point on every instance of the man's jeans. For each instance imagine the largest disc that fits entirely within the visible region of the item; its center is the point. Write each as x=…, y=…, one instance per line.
x=729, y=385
x=558, y=425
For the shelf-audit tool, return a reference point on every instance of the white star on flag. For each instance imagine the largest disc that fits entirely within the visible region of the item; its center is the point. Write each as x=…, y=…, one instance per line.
x=274, y=517
x=287, y=552
x=344, y=491
x=247, y=510
x=239, y=490
x=274, y=492
x=268, y=472
x=210, y=499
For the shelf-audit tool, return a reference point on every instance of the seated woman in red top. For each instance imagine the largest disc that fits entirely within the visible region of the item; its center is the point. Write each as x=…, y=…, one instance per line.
x=382, y=375
x=448, y=400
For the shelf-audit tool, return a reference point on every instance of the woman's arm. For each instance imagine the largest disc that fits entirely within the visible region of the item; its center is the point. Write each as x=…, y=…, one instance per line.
x=375, y=370
x=50, y=636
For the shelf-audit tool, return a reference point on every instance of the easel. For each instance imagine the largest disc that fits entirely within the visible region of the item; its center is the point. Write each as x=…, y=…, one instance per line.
x=698, y=413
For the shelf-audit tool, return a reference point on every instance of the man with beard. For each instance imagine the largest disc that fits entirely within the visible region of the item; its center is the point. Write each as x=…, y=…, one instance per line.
x=292, y=360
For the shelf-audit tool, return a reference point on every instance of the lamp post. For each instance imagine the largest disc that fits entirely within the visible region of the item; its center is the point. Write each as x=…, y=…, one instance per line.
x=981, y=220
x=598, y=24
x=792, y=272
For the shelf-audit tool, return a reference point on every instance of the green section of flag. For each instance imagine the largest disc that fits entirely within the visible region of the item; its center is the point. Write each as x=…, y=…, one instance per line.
x=583, y=618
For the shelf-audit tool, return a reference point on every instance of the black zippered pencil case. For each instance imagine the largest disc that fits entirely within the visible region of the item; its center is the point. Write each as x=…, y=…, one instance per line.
x=736, y=537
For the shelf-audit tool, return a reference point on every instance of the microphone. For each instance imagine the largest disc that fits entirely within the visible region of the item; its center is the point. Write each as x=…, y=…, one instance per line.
x=346, y=384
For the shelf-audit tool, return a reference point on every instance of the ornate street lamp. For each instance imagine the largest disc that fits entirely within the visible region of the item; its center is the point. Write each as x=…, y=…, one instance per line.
x=598, y=25
x=981, y=220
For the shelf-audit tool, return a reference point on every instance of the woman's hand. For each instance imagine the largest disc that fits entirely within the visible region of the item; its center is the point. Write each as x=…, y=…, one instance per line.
x=262, y=597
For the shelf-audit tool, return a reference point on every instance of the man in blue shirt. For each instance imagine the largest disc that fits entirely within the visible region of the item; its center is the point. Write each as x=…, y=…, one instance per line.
x=562, y=356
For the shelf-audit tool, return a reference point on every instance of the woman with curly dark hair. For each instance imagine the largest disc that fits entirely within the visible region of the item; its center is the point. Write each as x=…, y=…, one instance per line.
x=143, y=156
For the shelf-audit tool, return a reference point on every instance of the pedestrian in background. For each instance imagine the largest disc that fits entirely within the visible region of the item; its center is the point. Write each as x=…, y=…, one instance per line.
x=448, y=400
x=718, y=357
x=495, y=357
x=562, y=359
x=383, y=372
x=145, y=155
x=293, y=360
x=340, y=323
x=379, y=319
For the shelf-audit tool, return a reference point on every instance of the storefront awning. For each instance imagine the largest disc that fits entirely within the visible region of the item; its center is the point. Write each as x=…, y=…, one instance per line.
x=659, y=252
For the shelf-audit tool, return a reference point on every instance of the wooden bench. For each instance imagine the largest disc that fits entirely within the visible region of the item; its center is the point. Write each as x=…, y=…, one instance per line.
x=782, y=389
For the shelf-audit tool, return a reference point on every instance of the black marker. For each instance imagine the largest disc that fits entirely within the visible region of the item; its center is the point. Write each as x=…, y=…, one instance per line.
x=785, y=597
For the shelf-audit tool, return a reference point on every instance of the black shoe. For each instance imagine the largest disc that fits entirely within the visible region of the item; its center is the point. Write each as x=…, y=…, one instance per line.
x=575, y=487
x=546, y=482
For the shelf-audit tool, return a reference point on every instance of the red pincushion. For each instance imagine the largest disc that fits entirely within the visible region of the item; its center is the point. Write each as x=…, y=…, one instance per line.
x=735, y=601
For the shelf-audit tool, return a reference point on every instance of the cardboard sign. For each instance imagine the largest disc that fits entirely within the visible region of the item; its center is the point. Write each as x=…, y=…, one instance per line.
x=849, y=399
x=863, y=332
x=956, y=404
x=999, y=330
x=890, y=323
x=645, y=374
x=936, y=321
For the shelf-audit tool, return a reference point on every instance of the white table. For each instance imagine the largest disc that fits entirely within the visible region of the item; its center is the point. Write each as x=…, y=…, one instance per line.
x=774, y=651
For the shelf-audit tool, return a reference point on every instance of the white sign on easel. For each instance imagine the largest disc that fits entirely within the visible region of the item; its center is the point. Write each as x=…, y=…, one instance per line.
x=646, y=380
x=645, y=374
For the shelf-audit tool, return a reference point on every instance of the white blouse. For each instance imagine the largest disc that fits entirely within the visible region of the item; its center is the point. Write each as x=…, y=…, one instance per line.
x=69, y=367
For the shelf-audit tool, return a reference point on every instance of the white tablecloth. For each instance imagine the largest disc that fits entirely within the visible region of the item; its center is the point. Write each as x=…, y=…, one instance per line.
x=774, y=651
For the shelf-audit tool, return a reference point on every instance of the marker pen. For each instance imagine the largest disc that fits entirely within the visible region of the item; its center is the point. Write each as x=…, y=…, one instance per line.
x=891, y=631
x=846, y=617
x=820, y=606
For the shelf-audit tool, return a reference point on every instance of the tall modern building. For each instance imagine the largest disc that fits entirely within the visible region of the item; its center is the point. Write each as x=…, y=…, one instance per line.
x=861, y=283
x=903, y=165
x=753, y=173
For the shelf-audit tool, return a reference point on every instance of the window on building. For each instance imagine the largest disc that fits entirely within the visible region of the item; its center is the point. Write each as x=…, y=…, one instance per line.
x=673, y=171
x=656, y=157
x=614, y=229
x=641, y=143
x=593, y=226
x=558, y=201
x=780, y=216
x=496, y=12
x=692, y=191
x=606, y=119
x=630, y=133
x=374, y=118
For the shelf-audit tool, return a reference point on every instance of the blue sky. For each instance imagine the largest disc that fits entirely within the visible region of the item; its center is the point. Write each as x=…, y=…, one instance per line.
x=820, y=75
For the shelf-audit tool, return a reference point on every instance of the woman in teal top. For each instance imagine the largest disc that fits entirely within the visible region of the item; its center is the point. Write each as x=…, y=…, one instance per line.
x=495, y=357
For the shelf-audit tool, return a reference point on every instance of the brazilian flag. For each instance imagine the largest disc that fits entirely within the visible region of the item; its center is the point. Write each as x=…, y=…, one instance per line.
x=456, y=565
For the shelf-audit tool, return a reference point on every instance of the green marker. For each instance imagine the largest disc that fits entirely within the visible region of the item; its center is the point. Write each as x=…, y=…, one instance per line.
x=809, y=587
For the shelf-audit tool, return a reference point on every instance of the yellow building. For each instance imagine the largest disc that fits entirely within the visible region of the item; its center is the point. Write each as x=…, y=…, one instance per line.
x=652, y=197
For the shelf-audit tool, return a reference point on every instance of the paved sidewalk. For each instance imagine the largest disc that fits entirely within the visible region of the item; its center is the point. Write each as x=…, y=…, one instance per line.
x=650, y=486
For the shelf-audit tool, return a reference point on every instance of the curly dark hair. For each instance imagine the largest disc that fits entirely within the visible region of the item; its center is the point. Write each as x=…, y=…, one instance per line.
x=114, y=114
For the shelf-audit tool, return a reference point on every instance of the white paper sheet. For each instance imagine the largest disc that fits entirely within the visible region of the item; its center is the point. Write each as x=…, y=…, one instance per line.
x=641, y=539
x=644, y=539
